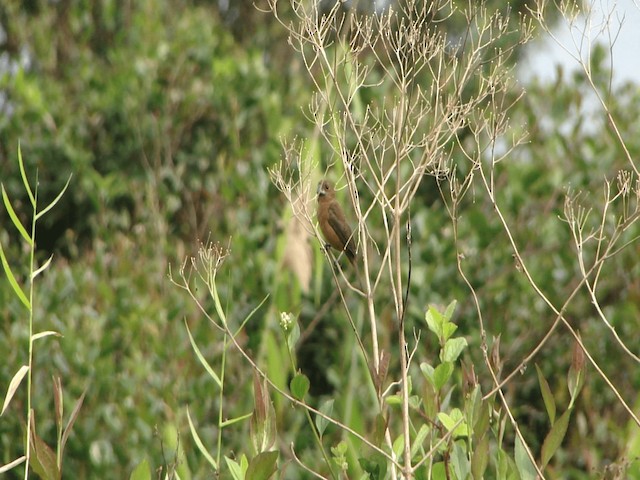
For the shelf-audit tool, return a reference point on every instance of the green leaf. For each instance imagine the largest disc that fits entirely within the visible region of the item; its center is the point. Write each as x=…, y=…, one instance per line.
x=12, y=280
x=141, y=472
x=434, y=321
x=293, y=335
x=23, y=174
x=575, y=382
x=393, y=400
x=523, y=462
x=262, y=466
x=453, y=348
x=237, y=470
x=321, y=422
x=199, y=444
x=240, y=418
x=43, y=458
x=299, y=386
x=454, y=422
x=480, y=458
x=441, y=374
x=42, y=268
x=549, y=402
x=448, y=329
x=203, y=361
x=14, y=218
x=44, y=334
x=13, y=386
x=448, y=313
x=428, y=371
x=419, y=439
x=55, y=200
x=459, y=461
x=554, y=438
x=439, y=472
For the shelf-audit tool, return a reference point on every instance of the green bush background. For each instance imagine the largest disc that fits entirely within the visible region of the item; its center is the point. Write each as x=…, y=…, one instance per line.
x=168, y=115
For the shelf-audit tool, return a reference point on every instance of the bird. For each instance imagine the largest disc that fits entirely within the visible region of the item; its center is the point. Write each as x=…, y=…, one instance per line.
x=333, y=223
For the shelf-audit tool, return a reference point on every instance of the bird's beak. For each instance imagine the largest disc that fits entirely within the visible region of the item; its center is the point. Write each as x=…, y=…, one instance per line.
x=320, y=190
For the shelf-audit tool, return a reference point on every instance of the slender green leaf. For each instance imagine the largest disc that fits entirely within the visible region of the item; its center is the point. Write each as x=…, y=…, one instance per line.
x=23, y=174
x=199, y=444
x=549, y=402
x=14, y=218
x=12, y=280
x=55, y=200
x=575, y=382
x=554, y=438
x=250, y=315
x=231, y=421
x=13, y=386
x=203, y=361
x=237, y=469
x=42, y=268
x=46, y=333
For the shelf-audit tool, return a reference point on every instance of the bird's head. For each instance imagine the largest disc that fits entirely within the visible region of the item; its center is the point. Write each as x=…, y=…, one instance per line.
x=325, y=189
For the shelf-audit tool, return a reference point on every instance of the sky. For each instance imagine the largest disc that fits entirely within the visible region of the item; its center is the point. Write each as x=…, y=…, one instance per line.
x=619, y=20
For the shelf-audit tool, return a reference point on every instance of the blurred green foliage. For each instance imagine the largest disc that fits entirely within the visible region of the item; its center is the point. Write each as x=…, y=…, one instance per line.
x=168, y=114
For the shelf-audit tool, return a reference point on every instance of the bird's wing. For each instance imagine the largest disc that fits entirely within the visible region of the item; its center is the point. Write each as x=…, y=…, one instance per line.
x=338, y=222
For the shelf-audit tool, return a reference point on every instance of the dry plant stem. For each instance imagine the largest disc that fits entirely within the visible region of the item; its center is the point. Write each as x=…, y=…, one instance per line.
x=577, y=222
x=488, y=187
x=303, y=466
x=184, y=284
x=454, y=216
x=397, y=296
x=585, y=42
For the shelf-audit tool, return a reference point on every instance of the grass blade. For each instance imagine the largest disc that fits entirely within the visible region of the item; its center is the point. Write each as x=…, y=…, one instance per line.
x=42, y=268
x=25, y=180
x=55, y=200
x=46, y=333
x=201, y=447
x=13, y=386
x=14, y=217
x=12, y=280
x=203, y=360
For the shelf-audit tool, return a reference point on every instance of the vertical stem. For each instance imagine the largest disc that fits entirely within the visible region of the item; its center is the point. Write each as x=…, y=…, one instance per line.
x=30, y=360
x=408, y=471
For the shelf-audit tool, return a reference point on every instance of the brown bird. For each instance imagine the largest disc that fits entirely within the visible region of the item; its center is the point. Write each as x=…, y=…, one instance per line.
x=333, y=223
